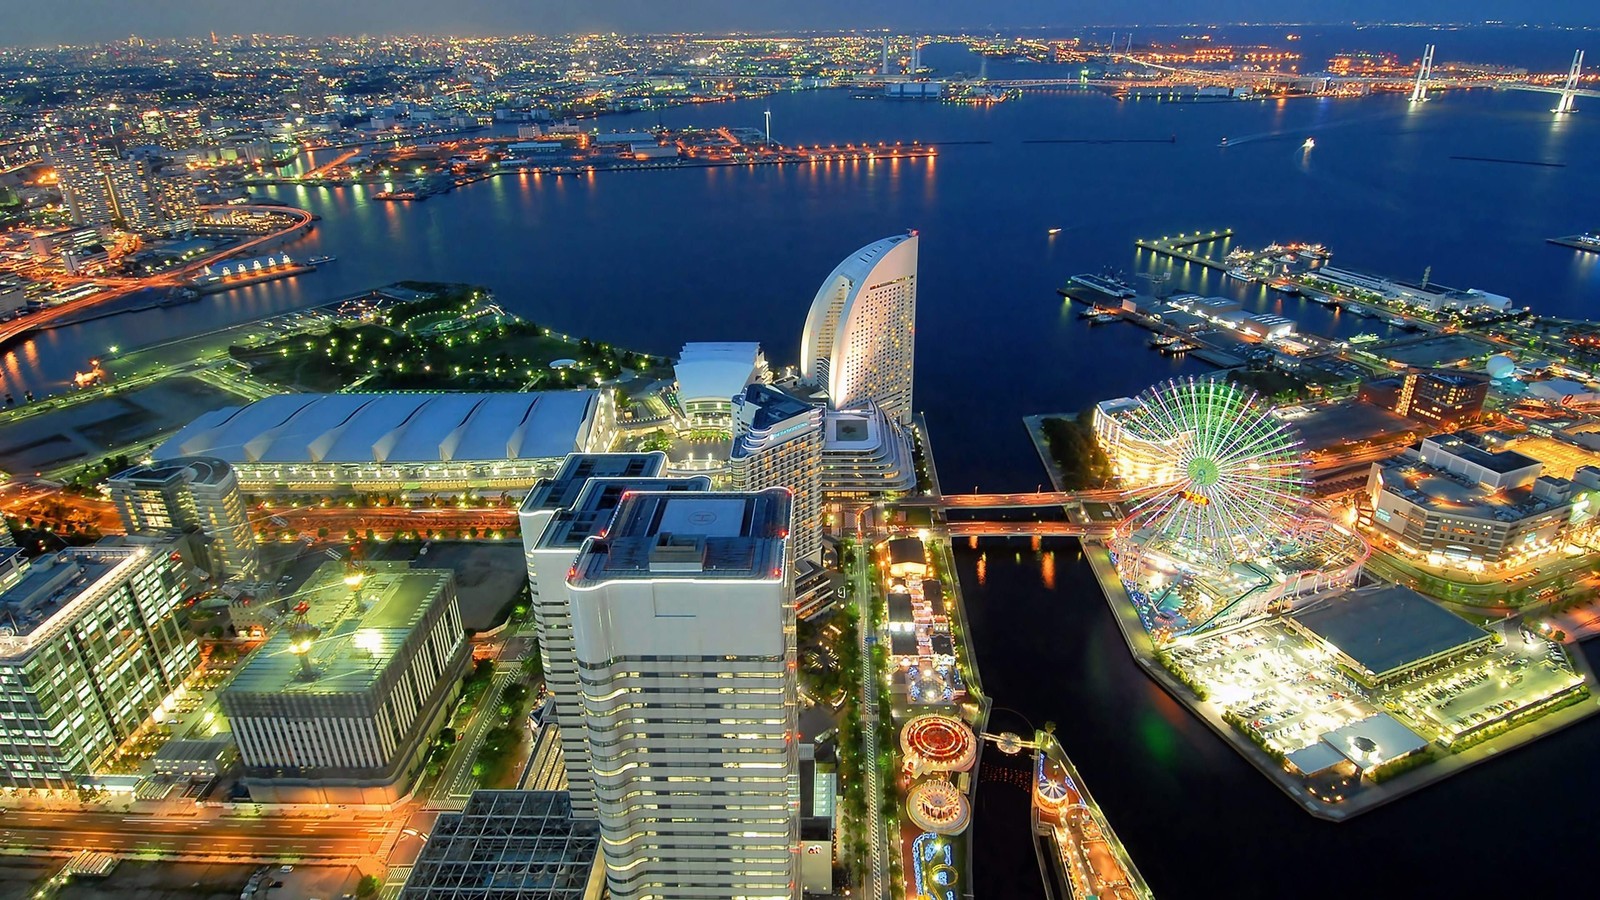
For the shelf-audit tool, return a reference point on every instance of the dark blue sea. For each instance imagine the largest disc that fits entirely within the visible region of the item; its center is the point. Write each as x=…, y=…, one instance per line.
x=649, y=260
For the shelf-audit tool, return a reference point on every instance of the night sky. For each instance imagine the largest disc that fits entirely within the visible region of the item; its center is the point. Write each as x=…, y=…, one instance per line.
x=31, y=23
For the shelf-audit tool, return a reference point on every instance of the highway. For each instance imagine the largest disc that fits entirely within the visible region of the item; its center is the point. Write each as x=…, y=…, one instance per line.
x=341, y=836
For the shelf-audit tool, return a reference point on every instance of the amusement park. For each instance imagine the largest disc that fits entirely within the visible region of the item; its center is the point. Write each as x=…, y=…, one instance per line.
x=1252, y=604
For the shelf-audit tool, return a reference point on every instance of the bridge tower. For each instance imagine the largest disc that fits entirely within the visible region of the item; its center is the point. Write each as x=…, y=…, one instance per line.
x=1569, y=93
x=1419, y=93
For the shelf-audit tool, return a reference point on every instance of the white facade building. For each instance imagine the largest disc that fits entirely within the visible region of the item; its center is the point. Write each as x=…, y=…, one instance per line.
x=556, y=518
x=189, y=492
x=399, y=441
x=709, y=375
x=859, y=337
x=683, y=627
x=1138, y=461
x=99, y=188
x=778, y=443
x=865, y=453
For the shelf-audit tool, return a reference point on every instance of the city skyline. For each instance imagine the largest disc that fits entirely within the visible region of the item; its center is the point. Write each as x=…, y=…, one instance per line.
x=439, y=467
x=97, y=21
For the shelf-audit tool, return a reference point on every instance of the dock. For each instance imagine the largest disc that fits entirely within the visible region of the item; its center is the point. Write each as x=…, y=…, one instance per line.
x=1177, y=247
x=1586, y=242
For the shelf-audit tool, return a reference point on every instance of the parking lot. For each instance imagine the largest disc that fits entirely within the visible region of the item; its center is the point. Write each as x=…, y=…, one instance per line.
x=1279, y=686
x=1289, y=692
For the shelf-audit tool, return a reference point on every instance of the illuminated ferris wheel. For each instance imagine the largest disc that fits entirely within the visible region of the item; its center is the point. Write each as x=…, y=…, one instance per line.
x=1237, y=476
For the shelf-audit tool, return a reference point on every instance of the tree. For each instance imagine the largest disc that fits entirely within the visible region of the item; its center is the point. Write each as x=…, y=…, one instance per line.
x=368, y=886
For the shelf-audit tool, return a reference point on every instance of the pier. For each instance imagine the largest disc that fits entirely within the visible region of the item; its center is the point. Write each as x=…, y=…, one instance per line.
x=1177, y=248
x=1587, y=242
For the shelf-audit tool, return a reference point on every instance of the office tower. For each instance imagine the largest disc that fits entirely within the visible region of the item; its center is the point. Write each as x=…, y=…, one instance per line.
x=190, y=493
x=509, y=845
x=778, y=443
x=556, y=518
x=1446, y=400
x=90, y=647
x=857, y=345
x=101, y=189
x=683, y=627
x=339, y=705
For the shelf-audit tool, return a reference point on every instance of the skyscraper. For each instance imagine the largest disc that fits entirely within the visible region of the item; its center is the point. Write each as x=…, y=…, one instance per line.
x=778, y=443
x=100, y=188
x=90, y=646
x=683, y=628
x=190, y=492
x=858, y=341
x=556, y=518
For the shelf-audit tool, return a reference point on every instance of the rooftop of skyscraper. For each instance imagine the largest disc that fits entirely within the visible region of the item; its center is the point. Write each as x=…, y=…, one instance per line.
x=695, y=535
x=560, y=491
x=201, y=469
x=44, y=590
x=773, y=406
x=597, y=504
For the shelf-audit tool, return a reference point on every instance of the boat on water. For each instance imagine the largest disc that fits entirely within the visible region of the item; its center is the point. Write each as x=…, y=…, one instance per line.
x=1310, y=143
x=320, y=260
x=1054, y=231
x=1224, y=142
x=1241, y=273
x=1111, y=287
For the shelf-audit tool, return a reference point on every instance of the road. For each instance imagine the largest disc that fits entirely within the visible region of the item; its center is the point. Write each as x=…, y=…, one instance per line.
x=384, y=521
x=456, y=783
x=877, y=866
x=341, y=836
x=1027, y=529
x=1019, y=499
x=116, y=287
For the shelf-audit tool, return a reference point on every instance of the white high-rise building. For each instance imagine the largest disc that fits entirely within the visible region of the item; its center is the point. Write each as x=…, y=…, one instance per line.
x=556, y=518
x=195, y=492
x=859, y=337
x=99, y=188
x=778, y=443
x=683, y=626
